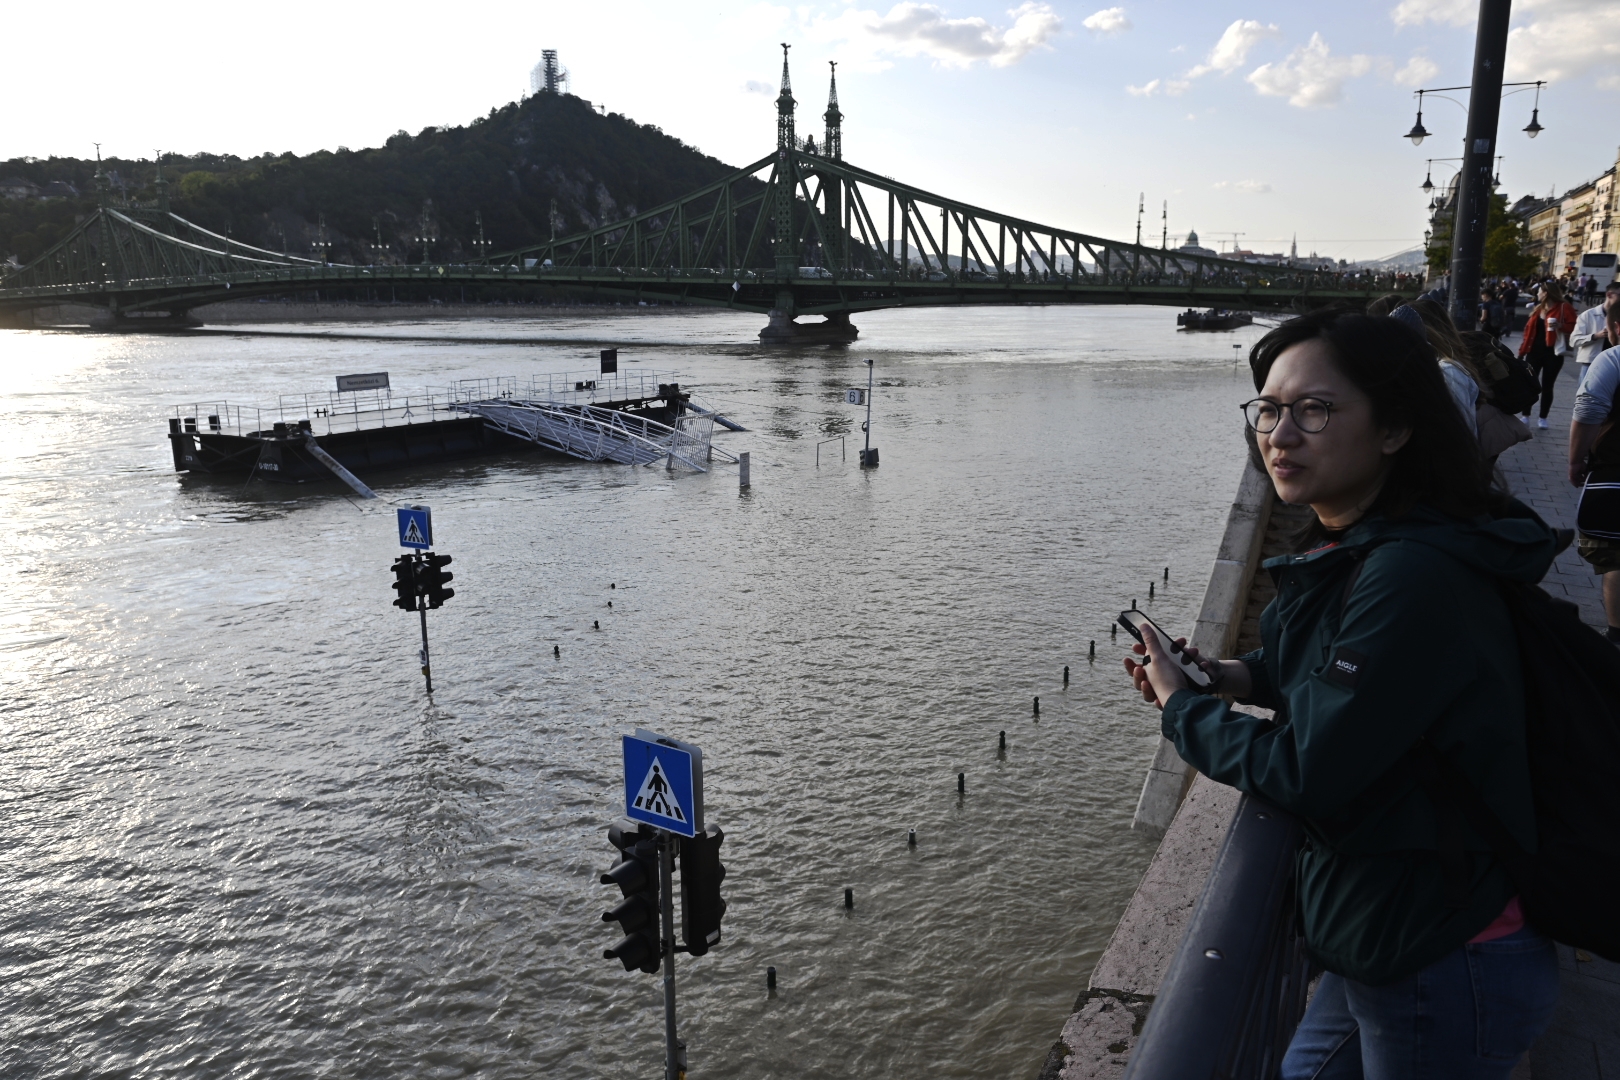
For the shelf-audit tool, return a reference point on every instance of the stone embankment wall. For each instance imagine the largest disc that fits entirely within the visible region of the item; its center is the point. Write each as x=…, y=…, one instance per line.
x=1191, y=811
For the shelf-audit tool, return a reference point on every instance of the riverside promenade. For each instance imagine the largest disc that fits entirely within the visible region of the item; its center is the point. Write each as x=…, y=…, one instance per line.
x=1583, y=1042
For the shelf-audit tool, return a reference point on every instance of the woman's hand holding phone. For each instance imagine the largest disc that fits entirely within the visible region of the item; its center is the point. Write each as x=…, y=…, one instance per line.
x=1159, y=676
x=1230, y=676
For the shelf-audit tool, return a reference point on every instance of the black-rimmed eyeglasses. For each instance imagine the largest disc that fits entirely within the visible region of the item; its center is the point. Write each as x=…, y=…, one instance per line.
x=1310, y=414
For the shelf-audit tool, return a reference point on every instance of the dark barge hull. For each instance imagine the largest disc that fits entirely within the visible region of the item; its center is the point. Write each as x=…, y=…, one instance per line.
x=284, y=458
x=1213, y=320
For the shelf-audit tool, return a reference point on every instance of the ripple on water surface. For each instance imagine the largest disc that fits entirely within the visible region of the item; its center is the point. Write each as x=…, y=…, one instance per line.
x=238, y=841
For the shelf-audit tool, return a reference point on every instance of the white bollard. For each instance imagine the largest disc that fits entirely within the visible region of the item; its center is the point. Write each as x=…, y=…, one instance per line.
x=742, y=470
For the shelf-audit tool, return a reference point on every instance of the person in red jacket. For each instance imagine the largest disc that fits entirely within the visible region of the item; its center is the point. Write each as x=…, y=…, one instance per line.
x=1552, y=319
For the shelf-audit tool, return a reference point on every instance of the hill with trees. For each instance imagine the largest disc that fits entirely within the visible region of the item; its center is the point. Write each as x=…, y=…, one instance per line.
x=377, y=204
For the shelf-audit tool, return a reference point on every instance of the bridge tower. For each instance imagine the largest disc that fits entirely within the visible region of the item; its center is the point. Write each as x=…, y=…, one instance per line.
x=833, y=143
x=162, y=186
x=106, y=254
x=832, y=148
x=787, y=255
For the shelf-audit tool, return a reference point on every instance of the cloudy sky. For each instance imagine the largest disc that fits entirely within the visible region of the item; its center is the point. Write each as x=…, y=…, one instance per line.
x=1262, y=118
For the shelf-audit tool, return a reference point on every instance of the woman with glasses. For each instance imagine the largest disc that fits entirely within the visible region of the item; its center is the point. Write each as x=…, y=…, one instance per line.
x=1388, y=630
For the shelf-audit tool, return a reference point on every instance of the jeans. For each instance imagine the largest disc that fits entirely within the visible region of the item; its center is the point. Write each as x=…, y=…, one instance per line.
x=1470, y=1016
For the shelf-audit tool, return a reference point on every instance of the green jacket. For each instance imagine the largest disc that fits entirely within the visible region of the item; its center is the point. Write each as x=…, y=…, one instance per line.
x=1424, y=646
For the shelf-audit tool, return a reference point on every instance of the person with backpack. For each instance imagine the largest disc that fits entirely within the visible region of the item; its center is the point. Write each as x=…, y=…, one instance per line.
x=1546, y=339
x=1594, y=466
x=1389, y=640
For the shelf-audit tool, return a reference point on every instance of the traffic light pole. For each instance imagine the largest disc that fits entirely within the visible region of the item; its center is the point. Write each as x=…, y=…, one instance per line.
x=674, y=1069
x=427, y=670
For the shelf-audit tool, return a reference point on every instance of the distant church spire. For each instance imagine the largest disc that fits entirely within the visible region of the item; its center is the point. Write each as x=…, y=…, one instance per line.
x=832, y=144
x=784, y=107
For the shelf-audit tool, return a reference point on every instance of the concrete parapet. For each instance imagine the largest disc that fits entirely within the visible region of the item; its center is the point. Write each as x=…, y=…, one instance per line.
x=1191, y=812
x=1097, y=1040
x=1214, y=634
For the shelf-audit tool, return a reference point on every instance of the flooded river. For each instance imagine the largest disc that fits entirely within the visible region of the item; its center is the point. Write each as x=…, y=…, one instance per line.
x=238, y=840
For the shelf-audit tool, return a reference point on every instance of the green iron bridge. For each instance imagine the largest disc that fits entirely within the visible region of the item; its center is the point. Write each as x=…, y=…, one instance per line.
x=798, y=233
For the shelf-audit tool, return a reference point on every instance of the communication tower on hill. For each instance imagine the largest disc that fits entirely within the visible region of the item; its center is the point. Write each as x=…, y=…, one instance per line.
x=548, y=76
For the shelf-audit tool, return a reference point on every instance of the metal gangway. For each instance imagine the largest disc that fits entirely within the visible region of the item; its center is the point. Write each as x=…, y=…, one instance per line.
x=591, y=432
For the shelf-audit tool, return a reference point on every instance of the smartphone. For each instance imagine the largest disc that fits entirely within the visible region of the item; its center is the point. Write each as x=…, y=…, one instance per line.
x=1139, y=624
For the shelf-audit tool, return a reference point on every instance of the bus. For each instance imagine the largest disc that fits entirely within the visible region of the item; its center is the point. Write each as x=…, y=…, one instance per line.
x=1600, y=265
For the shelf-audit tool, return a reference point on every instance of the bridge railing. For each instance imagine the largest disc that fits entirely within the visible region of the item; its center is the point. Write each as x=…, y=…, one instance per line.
x=1237, y=986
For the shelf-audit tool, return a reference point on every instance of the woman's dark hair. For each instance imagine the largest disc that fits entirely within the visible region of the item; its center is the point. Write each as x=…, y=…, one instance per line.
x=1555, y=291
x=1395, y=366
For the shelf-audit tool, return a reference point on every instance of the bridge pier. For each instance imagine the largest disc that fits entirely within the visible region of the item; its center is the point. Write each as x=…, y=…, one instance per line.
x=835, y=329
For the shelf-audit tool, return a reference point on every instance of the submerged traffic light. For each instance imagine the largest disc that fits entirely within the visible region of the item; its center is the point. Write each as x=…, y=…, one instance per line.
x=701, y=903
x=433, y=579
x=405, y=582
x=636, y=875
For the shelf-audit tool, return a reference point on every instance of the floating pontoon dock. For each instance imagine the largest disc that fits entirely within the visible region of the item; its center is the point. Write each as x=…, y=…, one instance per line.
x=635, y=418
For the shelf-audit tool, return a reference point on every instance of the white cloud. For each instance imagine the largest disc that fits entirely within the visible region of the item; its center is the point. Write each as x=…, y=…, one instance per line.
x=754, y=86
x=913, y=29
x=1107, y=21
x=1565, y=40
x=1449, y=12
x=1310, y=76
x=1167, y=87
x=1233, y=48
x=1418, y=70
x=1252, y=187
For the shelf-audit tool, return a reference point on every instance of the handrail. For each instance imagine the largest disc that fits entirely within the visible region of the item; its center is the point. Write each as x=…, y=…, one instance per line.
x=1236, y=987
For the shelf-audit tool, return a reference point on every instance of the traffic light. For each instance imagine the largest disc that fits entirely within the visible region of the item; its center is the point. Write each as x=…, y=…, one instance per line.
x=433, y=579
x=405, y=582
x=701, y=903
x=636, y=875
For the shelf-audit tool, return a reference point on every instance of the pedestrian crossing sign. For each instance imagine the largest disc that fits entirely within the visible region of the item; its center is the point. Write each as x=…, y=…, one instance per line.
x=663, y=783
x=415, y=527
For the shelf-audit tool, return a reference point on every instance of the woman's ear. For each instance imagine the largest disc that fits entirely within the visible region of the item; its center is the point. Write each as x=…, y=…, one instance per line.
x=1394, y=439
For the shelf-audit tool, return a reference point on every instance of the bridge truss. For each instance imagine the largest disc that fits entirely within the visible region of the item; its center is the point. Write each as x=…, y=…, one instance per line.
x=798, y=232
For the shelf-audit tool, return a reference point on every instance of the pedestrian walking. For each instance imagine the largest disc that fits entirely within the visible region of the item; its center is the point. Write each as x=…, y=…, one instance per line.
x=1546, y=340
x=1594, y=466
x=1388, y=628
x=1510, y=303
x=1490, y=313
x=1590, y=335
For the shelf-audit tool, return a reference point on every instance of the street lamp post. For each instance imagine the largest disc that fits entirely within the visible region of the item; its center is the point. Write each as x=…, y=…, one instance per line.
x=1479, y=153
x=1475, y=180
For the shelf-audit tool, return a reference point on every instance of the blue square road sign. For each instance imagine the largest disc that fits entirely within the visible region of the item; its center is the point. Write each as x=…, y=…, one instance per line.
x=663, y=783
x=416, y=527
